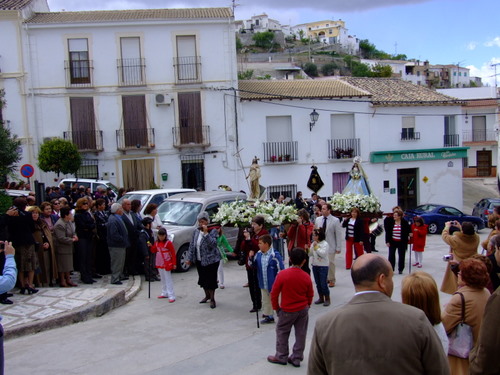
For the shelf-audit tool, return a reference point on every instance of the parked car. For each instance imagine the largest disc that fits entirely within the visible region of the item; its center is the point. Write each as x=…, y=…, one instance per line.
x=436, y=215
x=156, y=196
x=179, y=213
x=93, y=184
x=484, y=208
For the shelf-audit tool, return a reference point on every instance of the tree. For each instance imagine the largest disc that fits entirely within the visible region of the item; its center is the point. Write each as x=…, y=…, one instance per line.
x=311, y=69
x=360, y=70
x=264, y=39
x=239, y=45
x=381, y=71
x=9, y=146
x=247, y=74
x=329, y=69
x=59, y=156
x=367, y=49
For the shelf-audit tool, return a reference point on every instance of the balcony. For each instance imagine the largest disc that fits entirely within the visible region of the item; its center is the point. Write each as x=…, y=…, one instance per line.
x=187, y=69
x=410, y=135
x=451, y=140
x=131, y=72
x=191, y=136
x=343, y=148
x=135, y=138
x=480, y=136
x=85, y=140
x=281, y=152
x=79, y=73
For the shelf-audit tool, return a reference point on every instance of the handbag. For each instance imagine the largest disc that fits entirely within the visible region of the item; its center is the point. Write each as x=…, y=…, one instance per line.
x=461, y=339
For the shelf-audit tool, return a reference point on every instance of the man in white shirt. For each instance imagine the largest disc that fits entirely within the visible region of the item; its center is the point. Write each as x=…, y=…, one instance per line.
x=333, y=233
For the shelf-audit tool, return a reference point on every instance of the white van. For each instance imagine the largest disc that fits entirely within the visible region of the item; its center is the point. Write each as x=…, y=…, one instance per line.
x=156, y=196
x=93, y=184
x=179, y=213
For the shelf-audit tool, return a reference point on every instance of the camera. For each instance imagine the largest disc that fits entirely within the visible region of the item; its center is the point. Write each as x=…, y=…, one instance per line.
x=447, y=257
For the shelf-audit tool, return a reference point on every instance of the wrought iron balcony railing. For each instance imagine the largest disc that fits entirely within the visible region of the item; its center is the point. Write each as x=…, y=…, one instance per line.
x=280, y=152
x=85, y=140
x=451, y=140
x=131, y=72
x=479, y=135
x=410, y=135
x=187, y=69
x=135, y=138
x=343, y=148
x=191, y=136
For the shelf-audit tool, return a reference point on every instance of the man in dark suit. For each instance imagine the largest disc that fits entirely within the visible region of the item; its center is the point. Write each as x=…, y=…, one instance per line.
x=373, y=334
x=133, y=227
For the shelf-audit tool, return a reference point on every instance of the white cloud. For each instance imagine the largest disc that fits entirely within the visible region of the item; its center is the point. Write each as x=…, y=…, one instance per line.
x=494, y=42
x=471, y=46
x=486, y=72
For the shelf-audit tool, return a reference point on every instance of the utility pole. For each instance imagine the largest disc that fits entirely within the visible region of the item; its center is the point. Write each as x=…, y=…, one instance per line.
x=495, y=75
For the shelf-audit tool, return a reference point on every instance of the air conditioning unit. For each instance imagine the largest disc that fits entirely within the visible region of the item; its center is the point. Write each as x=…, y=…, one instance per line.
x=163, y=99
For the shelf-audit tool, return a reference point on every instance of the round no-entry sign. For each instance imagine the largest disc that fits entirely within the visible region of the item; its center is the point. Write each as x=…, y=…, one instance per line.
x=27, y=170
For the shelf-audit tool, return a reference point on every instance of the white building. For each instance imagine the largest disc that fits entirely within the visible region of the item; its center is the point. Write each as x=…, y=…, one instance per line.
x=480, y=129
x=399, y=129
x=133, y=89
x=329, y=32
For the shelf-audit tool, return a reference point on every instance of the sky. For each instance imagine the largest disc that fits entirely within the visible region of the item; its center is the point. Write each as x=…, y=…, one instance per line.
x=459, y=32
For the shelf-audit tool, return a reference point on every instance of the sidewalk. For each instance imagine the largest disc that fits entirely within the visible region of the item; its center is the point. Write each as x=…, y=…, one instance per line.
x=57, y=307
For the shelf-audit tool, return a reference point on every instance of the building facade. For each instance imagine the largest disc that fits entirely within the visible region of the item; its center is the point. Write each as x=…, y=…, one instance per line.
x=399, y=130
x=132, y=89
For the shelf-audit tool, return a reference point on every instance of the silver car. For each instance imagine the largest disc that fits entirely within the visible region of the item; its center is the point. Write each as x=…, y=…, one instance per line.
x=179, y=213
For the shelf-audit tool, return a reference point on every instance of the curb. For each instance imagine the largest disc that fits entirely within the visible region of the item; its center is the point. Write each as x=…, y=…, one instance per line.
x=111, y=300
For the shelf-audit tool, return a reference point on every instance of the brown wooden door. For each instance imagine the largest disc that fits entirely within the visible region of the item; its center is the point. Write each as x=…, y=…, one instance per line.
x=190, y=122
x=483, y=163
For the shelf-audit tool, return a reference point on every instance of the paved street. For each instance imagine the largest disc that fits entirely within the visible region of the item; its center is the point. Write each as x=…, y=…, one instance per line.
x=152, y=336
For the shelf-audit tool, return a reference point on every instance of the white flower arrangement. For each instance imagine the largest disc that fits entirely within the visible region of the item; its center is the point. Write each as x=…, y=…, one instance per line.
x=240, y=213
x=345, y=202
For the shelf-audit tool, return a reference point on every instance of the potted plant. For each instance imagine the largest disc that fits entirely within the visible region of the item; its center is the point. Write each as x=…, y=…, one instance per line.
x=287, y=157
x=280, y=158
x=273, y=158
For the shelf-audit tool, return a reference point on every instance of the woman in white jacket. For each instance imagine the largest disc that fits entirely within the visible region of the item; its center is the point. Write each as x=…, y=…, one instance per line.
x=319, y=261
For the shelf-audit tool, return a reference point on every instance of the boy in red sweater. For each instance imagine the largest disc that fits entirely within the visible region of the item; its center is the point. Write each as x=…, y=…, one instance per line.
x=296, y=290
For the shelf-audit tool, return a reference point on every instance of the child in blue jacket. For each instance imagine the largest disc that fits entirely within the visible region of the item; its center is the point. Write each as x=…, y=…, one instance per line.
x=268, y=262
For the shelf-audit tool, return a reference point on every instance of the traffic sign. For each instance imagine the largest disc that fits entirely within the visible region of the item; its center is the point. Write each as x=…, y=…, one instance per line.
x=27, y=170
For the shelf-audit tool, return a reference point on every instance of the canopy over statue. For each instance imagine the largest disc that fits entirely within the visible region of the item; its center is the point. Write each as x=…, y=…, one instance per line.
x=357, y=182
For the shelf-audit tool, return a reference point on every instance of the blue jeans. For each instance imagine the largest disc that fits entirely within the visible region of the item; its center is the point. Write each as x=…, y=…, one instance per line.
x=320, y=277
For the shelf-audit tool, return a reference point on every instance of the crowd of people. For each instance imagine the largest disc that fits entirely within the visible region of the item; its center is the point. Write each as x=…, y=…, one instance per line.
x=76, y=231
x=94, y=235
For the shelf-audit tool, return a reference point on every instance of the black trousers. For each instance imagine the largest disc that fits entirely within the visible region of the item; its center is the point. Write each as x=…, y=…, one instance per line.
x=253, y=287
x=84, y=251
x=401, y=248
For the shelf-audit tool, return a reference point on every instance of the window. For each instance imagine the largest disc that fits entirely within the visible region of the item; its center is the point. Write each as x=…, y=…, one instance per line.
x=83, y=123
x=134, y=121
x=79, y=63
x=279, y=146
x=256, y=22
x=131, y=64
x=408, y=128
x=478, y=128
x=187, y=61
x=288, y=191
x=190, y=121
x=339, y=181
x=450, y=136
